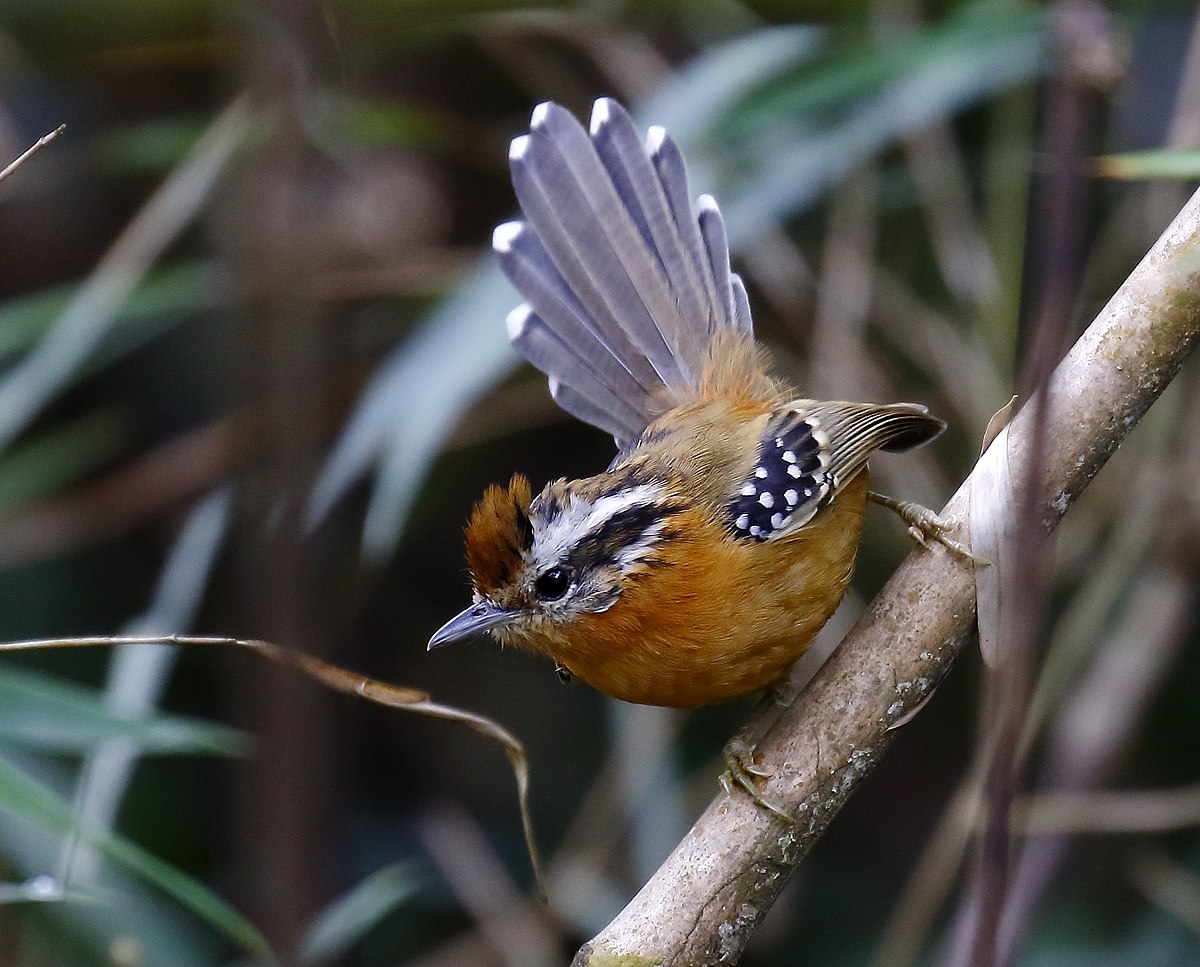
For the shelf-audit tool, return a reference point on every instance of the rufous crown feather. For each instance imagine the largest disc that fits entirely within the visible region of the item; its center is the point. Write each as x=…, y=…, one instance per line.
x=497, y=534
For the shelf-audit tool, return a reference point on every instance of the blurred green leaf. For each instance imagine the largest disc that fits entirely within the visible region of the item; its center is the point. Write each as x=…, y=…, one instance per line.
x=60, y=456
x=822, y=91
x=390, y=124
x=790, y=147
x=156, y=305
x=1181, y=164
x=458, y=352
x=1076, y=937
x=46, y=714
x=152, y=147
x=342, y=924
x=44, y=889
x=24, y=796
x=717, y=82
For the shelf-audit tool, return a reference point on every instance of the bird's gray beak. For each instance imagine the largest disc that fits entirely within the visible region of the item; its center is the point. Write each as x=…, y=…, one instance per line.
x=473, y=621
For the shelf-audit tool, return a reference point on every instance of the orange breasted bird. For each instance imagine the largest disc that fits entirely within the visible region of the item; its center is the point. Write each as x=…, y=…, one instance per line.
x=698, y=567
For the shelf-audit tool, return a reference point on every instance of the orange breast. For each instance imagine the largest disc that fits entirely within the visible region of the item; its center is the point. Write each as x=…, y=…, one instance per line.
x=718, y=618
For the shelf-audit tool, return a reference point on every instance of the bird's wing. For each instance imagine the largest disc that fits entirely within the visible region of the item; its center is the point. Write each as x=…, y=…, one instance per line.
x=809, y=451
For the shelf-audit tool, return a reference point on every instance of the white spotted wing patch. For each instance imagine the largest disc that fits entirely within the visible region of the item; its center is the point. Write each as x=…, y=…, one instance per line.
x=790, y=481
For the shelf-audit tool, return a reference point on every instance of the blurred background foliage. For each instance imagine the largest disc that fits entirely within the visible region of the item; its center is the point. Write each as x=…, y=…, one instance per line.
x=254, y=374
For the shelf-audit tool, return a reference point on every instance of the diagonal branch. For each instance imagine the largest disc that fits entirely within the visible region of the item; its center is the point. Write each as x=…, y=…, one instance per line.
x=713, y=890
x=29, y=152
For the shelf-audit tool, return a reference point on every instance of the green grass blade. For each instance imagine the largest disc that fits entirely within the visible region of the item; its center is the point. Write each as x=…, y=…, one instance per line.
x=48, y=715
x=342, y=924
x=25, y=797
x=1177, y=164
x=60, y=456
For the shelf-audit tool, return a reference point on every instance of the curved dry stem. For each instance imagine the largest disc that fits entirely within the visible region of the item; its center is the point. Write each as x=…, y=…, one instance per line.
x=714, y=889
x=348, y=683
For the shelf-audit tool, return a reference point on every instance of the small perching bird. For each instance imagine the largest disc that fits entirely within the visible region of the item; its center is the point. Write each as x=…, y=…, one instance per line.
x=698, y=567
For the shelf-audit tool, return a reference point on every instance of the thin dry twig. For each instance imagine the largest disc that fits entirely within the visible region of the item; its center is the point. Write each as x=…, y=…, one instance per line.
x=931, y=879
x=516, y=929
x=1006, y=513
x=843, y=306
x=944, y=193
x=121, y=500
x=1092, y=731
x=37, y=146
x=1133, y=812
x=714, y=889
x=339, y=680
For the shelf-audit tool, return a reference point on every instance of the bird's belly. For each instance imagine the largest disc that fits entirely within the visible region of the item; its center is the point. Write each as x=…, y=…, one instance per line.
x=685, y=673
x=726, y=626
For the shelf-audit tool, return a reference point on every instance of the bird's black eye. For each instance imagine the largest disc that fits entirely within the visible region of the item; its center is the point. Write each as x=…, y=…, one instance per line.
x=553, y=584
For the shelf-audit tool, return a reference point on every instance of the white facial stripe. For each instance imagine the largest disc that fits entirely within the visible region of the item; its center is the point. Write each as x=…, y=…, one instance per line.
x=582, y=517
x=633, y=553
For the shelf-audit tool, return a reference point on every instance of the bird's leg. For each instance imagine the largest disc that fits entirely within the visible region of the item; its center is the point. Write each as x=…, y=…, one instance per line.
x=741, y=771
x=924, y=524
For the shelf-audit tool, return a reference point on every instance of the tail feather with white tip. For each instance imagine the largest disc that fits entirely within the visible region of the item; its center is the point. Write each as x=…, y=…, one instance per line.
x=625, y=283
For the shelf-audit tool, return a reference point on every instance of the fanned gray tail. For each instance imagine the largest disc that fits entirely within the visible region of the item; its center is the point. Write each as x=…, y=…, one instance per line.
x=624, y=281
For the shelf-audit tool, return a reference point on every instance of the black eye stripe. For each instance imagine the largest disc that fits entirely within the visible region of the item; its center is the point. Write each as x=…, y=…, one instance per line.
x=624, y=528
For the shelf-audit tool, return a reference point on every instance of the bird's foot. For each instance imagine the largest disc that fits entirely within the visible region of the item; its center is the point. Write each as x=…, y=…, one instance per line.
x=742, y=772
x=925, y=525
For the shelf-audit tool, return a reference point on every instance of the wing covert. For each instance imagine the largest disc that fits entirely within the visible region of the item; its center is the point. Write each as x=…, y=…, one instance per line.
x=792, y=479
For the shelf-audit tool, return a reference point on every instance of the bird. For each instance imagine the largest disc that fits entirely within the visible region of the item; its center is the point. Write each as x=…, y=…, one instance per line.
x=699, y=565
